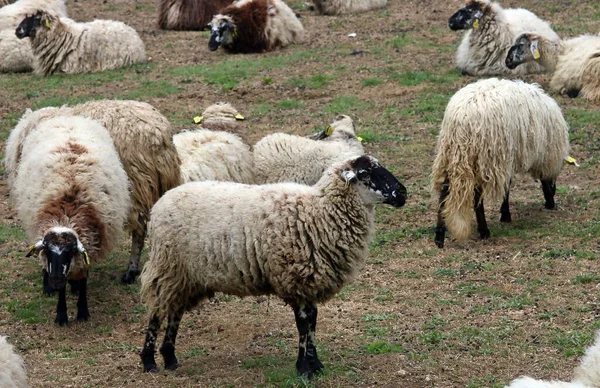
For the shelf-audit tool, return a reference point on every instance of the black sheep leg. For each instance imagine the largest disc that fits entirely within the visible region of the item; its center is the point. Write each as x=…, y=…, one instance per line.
x=505, y=209
x=62, y=317
x=168, y=346
x=48, y=291
x=147, y=353
x=482, y=227
x=74, y=286
x=308, y=363
x=83, y=314
x=440, y=229
x=137, y=244
x=549, y=188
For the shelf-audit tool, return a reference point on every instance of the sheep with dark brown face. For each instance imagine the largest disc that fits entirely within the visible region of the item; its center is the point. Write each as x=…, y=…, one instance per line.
x=188, y=14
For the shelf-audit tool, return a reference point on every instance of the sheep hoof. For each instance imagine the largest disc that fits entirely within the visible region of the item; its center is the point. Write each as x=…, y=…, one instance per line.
x=309, y=368
x=151, y=368
x=484, y=234
x=440, y=234
x=505, y=218
x=168, y=353
x=129, y=276
x=550, y=205
x=83, y=315
x=62, y=319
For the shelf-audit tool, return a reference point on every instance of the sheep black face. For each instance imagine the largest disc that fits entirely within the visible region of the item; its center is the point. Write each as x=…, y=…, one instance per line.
x=29, y=26
x=524, y=50
x=222, y=33
x=467, y=17
x=374, y=183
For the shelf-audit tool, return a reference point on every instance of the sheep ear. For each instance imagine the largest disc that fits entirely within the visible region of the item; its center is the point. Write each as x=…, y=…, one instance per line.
x=348, y=176
x=83, y=252
x=35, y=248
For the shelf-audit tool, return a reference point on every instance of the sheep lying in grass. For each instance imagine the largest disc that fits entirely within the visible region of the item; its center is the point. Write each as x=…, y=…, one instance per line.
x=72, y=196
x=12, y=369
x=491, y=32
x=222, y=116
x=340, y=7
x=15, y=57
x=493, y=129
x=575, y=62
x=64, y=46
x=301, y=243
x=288, y=158
x=11, y=15
x=188, y=14
x=249, y=26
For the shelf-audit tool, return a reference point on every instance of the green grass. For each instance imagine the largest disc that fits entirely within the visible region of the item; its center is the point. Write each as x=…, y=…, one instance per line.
x=290, y=104
x=345, y=104
x=367, y=82
x=383, y=347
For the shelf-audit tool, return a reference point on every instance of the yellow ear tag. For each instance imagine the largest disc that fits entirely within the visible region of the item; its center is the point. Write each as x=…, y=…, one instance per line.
x=86, y=258
x=198, y=119
x=534, y=50
x=476, y=24
x=239, y=117
x=48, y=24
x=328, y=130
x=235, y=32
x=571, y=160
x=359, y=138
x=536, y=54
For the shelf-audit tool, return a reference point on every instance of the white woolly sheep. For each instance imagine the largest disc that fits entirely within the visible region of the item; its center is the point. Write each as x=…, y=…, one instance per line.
x=213, y=156
x=340, y=7
x=143, y=138
x=575, y=62
x=12, y=369
x=188, y=14
x=249, y=26
x=72, y=195
x=288, y=158
x=65, y=46
x=491, y=32
x=587, y=374
x=301, y=243
x=15, y=57
x=493, y=129
x=12, y=14
x=222, y=116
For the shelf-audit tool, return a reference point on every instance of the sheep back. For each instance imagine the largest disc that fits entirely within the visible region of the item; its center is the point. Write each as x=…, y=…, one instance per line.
x=340, y=7
x=283, y=27
x=12, y=368
x=188, y=14
x=16, y=55
x=12, y=14
x=576, y=62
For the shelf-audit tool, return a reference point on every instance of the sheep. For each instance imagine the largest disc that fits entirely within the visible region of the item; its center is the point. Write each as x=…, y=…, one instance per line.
x=6, y=2
x=493, y=129
x=288, y=158
x=222, y=116
x=12, y=369
x=15, y=57
x=587, y=374
x=301, y=243
x=12, y=14
x=143, y=138
x=65, y=46
x=213, y=155
x=340, y=7
x=575, y=62
x=188, y=14
x=71, y=194
x=491, y=32
x=249, y=26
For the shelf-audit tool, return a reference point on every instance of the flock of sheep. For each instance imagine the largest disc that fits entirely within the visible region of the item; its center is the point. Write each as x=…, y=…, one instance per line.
x=291, y=216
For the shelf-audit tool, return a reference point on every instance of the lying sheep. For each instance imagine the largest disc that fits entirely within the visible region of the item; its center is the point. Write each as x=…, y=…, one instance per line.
x=15, y=57
x=493, y=129
x=298, y=242
x=288, y=158
x=188, y=14
x=65, y=46
x=213, y=156
x=340, y=7
x=575, y=62
x=222, y=116
x=11, y=15
x=72, y=195
x=12, y=369
x=249, y=26
x=491, y=32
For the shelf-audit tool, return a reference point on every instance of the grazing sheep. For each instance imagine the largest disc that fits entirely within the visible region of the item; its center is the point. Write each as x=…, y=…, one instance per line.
x=340, y=7
x=301, y=243
x=288, y=158
x=213, y=156
x=72, y=195
x=249, y=26
x=11, y=15
x=575, y=62
x=222, y=116
x=491, y=32
x=493, y=129
x=188, y=14
x=15, y=57
x=12, y=369
x=65, y=46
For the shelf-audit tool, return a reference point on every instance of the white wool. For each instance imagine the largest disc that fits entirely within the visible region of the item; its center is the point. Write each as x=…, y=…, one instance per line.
x=15, y=53
x=12, y=368
x=11, y=15
x=571, y=62
x=340, y=7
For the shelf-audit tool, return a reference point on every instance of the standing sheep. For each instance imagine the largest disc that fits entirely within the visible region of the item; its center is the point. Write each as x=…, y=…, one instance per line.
x=288, y=158
x=575, y=62
x=222, y=116
x=12, y=14
x=250, y=26
x=340, y=7
x=12, y=369
x=493, y=129
x=491, y=32
x=72, y=195
x=301, y=243
x=188, y=14
x=65, y=46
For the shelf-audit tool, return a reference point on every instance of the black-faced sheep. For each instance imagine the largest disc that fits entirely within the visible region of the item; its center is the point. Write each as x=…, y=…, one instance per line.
x=65, y=46
x=12, y=369
x=249, y=26
x=575, y=62
x=491, y=32
x=72, y=196
x=188, y=14
x=493, y=129
x=301, y=243
x=340, y=7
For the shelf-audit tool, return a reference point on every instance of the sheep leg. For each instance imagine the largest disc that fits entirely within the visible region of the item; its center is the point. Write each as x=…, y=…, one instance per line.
x=48, y=291
x=137, y=244
x=83, y=314
x=482, y=227
x=505, y=209
x=74, y=286
x=147, y=353
x=308, y=363
x=168, y=346
x=440, y=229
x=62, y=317
x=549, y=189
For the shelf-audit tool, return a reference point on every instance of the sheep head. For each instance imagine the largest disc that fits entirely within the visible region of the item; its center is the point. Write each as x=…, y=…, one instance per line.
x=31, y=24
x=59, y=247
x=526, y=48
x=222, y=111
x=222, y=32
x=373, y=182
x=469, y=16
x=342, y=128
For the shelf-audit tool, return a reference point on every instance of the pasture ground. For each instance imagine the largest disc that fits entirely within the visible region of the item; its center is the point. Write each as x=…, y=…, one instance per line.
x=476, y=314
